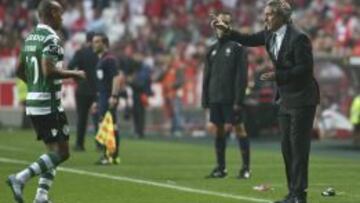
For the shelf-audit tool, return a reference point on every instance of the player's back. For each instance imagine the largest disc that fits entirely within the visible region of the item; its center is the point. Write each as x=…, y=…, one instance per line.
x=43, y=92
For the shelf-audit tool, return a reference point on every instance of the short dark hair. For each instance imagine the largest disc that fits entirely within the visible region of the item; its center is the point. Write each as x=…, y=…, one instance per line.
x=104, y=38
x=282, y=8
x=44, y=8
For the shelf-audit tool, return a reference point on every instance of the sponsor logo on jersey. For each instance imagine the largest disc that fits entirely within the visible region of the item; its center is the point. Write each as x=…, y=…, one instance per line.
x=35, y=37
x=54, y=49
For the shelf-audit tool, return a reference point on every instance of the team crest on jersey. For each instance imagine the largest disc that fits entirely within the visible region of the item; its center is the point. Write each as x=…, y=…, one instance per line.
x=227, y=51
x=66, y=130
x=61, y=51
x=54, y=49
x=54, y=132
x=56, y=41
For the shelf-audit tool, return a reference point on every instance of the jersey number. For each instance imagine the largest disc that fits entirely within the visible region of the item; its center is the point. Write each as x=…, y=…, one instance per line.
x=35, y=64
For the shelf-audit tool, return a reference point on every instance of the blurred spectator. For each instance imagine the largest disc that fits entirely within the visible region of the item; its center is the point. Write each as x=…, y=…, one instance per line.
x=333, y=24
x=172, y=81
x=155, y=27
x=140, y=82
x=333, y=123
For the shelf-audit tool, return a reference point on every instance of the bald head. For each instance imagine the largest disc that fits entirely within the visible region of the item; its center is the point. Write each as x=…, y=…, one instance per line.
x=45, y=7
x=50, y=12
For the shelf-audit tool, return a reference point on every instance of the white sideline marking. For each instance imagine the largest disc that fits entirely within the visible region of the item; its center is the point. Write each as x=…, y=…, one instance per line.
x=144, y=182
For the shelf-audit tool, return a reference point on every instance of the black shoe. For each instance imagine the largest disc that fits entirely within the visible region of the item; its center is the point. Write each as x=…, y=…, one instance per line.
x=16, y=187
x=217, y=173
x=244, y=174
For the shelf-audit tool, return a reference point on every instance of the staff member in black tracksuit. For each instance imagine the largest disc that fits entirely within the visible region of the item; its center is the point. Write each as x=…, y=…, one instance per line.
x=84, y=59
x=224, y=85
x=297, y=90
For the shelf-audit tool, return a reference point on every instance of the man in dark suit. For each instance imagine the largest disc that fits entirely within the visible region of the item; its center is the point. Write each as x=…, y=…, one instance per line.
x=84, y=59
x=297, y=90
x=224, y=85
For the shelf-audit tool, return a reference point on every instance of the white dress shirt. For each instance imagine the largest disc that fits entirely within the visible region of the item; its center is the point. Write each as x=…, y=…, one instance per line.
x=279, y=34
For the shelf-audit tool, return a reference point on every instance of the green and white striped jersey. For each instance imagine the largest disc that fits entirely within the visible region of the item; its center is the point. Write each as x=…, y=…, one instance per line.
x=44, y=93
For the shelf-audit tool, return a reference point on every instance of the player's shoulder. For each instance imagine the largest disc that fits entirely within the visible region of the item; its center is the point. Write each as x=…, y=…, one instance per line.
x=52, y=39
x=45, y=29
x=42, y=33
x=50, y=36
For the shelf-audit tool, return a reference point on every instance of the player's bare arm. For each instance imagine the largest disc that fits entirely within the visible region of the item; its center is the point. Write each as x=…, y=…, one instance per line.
x=50, y=70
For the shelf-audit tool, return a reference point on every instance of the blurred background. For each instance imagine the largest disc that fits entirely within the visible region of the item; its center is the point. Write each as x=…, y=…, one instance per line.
x=166, y=40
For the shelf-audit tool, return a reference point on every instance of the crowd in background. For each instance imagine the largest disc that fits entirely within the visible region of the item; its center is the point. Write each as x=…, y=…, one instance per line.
x=171, y=36
x=165, y=33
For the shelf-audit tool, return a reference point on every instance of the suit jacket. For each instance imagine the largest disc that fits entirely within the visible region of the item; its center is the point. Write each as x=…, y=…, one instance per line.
x=85, y=59
x=225, y=74
x=296, y=85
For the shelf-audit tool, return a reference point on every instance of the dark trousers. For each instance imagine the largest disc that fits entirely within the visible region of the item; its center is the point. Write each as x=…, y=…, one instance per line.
x=295, y=126
x=138, y=116
x=83, y=104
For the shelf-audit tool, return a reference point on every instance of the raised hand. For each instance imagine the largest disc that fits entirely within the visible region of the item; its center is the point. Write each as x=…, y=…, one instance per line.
x=213, y=19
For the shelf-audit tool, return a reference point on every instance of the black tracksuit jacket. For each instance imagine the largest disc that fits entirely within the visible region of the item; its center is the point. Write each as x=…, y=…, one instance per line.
x=225, y=74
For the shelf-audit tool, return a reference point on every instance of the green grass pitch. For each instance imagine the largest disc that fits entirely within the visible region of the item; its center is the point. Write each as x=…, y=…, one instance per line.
x=172, y=171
